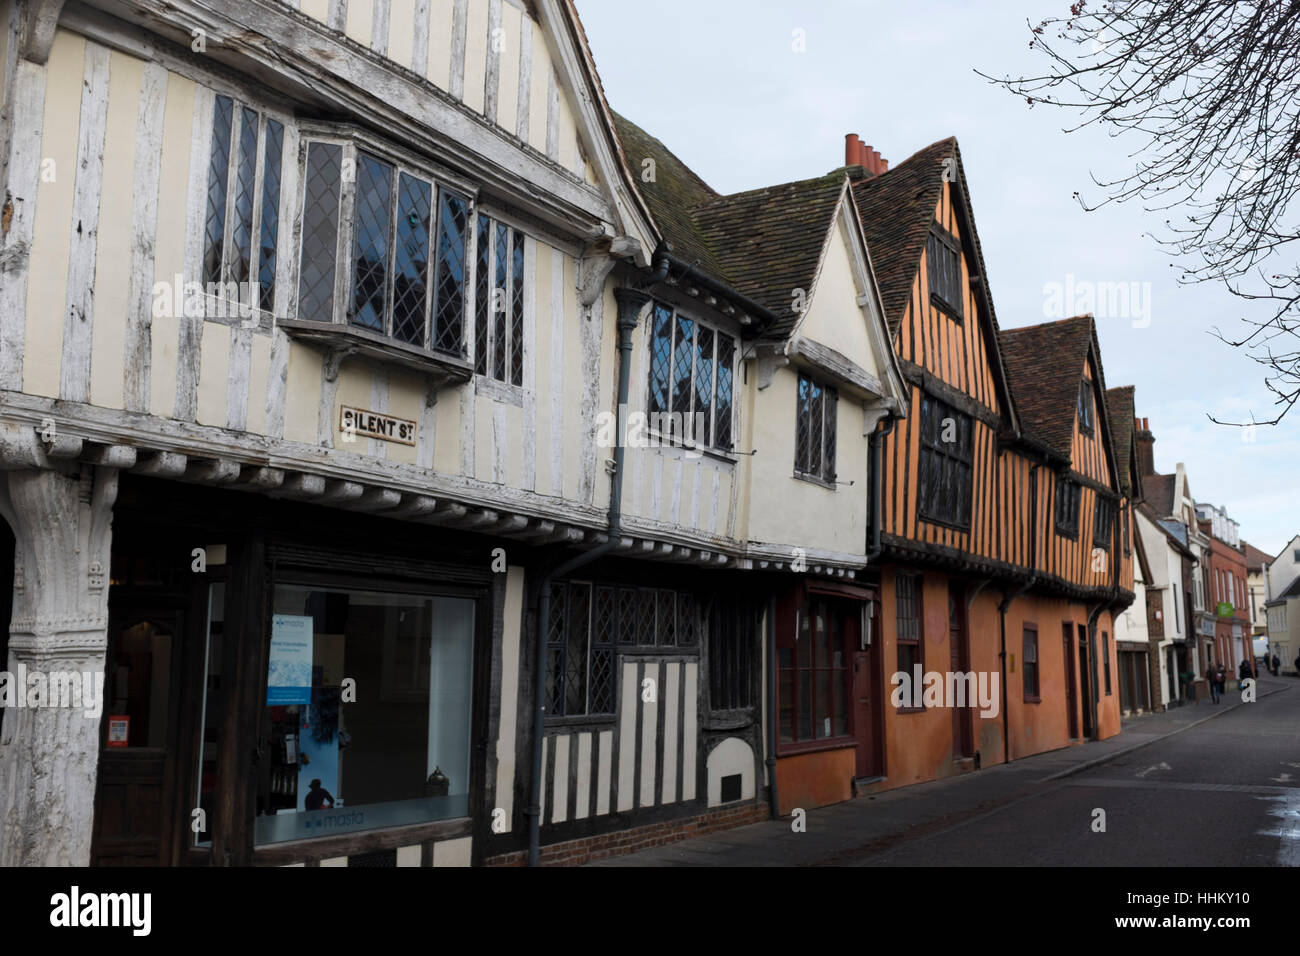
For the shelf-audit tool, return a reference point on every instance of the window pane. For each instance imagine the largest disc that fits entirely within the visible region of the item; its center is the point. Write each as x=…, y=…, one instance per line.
x=557, y=649
x=411, y=270
x=830, y=412
x=667, y=620
x=822, y=727
x=815, y=419
x=517, y=309
x=785, y=694
x=645, y=624
x=370, y=243
x=398, y=755
x=821, y=637
x=661, y=347
x=449, y=281
x=578, y=637
x=683, y=351
x=245, y=190
x=703, y=385
x=803, y=642
x=722, y=415
x=270, y=226
x=214, y=228
x=685, y=619
x=500, y=300
x=482, y=295
x=839, y=719
x=320, y=229
x=803, y=424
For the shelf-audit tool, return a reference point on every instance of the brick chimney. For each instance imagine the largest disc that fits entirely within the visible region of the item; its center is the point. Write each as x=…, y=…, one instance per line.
x=1145, y=447
x=858, y=153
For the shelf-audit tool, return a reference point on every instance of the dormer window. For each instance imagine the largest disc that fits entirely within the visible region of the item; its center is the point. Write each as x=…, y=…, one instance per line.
x=1085, y=406
x=943, y=263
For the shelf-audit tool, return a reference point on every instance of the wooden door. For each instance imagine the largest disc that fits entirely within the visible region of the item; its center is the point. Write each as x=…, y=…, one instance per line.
x=867, y=693
x=136, y=780
x=963, y=744
x=1071, y=686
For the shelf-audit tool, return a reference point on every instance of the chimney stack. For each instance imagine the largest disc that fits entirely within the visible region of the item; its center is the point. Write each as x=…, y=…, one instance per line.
x=858, y=153
x=1145, y=447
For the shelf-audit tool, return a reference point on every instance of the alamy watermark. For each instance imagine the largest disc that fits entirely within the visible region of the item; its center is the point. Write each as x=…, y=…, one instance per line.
x=79, y=690
x=1104, y=300
x=950, y=689
x=652, y=430
x=214, y=300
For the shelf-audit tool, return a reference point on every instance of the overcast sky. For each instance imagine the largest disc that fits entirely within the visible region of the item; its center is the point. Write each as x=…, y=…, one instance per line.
x=719, y=82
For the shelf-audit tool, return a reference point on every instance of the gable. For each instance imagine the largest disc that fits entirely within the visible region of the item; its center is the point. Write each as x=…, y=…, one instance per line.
x=835, y=316
x=527, y=74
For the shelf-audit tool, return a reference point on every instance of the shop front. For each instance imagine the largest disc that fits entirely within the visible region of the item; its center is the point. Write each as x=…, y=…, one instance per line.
x=286, y=684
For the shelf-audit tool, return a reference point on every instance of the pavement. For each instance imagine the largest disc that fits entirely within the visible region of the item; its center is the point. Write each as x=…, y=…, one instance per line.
x=1219, y=769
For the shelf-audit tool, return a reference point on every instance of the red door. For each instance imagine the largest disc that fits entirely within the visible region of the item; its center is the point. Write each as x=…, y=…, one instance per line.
x=1071, y=695
x=866, y=691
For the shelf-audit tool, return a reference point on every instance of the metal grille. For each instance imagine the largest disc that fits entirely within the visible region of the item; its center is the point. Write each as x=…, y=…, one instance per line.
x=411, y=271
x=661, y=350
x=449, y=322
x=270, y=225
x=320, y=228
x=370, y=246
x=704, y=384
x=517, y=309
x=245, y=190
x=500, y=301
x=722, y=413
x=482, y=296
x=214, y=223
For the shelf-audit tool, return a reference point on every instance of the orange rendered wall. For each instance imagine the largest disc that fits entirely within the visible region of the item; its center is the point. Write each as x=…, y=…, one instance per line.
x=815, y=779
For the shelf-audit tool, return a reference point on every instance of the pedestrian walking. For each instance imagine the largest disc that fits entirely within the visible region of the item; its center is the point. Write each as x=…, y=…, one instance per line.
x=1277, y=665
x=1212, y=678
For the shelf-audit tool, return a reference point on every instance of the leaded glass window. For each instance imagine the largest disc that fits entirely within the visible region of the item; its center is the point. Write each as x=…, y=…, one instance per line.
x=501, y=292
x=691, y=379
x=946, y=472
x=241, y=218
x=816, y=412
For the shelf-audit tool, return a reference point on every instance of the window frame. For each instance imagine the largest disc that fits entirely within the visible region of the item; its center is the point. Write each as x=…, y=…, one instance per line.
x=915, y=641
x=1074, y=490
x=825, y=472
x=1028, y=642
x=257, y=214
x=1105, y=508
x=339, y=326
x=935, y=410
x=837, y=617
x=1086, y=408
x=515, y=294
x=940, y=239
x=688, y=439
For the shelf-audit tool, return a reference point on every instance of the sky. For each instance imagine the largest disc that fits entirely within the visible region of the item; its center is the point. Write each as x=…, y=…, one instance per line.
x=721, y=84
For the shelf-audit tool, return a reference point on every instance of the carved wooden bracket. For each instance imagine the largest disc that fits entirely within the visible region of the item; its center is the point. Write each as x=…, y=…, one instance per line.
x=41, y=18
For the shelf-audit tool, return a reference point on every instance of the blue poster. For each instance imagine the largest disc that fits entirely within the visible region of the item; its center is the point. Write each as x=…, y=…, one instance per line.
x=288, y=675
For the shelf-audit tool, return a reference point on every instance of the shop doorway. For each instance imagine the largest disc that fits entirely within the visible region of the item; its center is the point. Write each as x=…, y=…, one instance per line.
x=1071, y=683
x=867, y=693
x=136, y=791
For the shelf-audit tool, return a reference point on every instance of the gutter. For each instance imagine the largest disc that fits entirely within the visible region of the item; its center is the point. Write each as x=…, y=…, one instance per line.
x=630, y=303
x=1007, y=600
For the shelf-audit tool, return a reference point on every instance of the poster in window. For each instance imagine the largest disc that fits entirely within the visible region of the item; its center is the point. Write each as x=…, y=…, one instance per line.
x=119, y=731
x=288, y=677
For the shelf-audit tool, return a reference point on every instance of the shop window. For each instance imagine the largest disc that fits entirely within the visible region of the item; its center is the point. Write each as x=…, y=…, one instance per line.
x=241, y=222
x=907, y=604
x=945, y=472
x=816, y=413
x=812, y=674
x=1029, y=658
x=396, y=749
x=692, y=367
x=404, y=275
x=499, y=302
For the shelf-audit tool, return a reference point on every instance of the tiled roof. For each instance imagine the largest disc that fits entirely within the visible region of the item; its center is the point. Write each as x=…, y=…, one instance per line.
x=1119, y=408
x=1255, y=558
x=764, y=243
x=897, y=208
x=1045, y=365
x=1158, y=490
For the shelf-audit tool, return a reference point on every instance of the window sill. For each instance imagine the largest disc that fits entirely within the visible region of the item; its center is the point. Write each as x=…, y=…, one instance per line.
x=346, y=340
x=963, y=528
x=657, y=439
x=942, y=305
x=814, y=480
x=582, y=720
x=499, y=391
x=1030, y=699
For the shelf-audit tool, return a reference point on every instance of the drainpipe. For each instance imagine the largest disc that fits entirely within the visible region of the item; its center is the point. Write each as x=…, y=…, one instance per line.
x=771, y=707
x=1010, y=597
x=630, y=304
x=876, y=441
